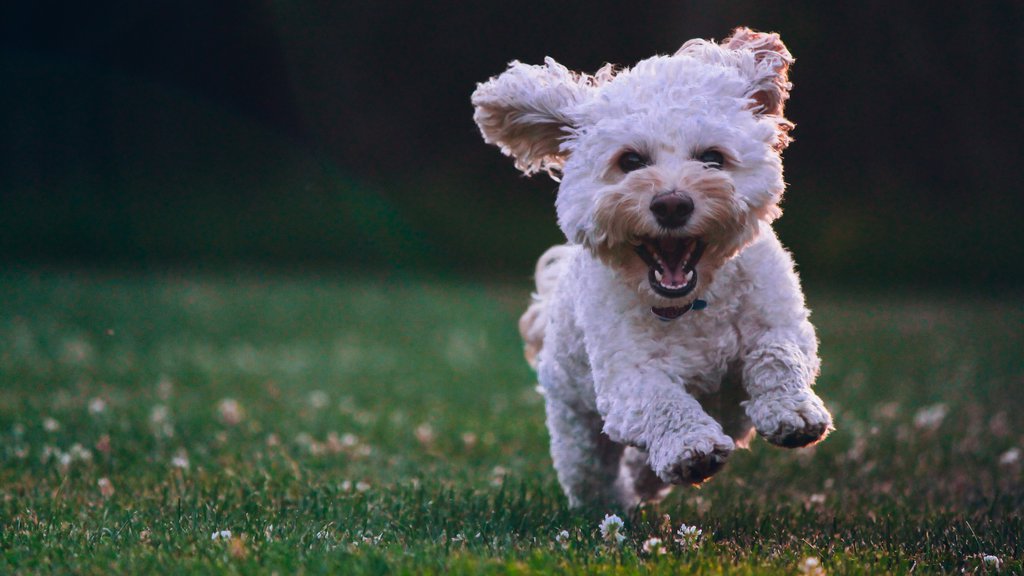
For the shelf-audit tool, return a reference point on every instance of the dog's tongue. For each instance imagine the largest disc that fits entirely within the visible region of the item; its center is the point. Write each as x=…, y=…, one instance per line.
x=673, y=252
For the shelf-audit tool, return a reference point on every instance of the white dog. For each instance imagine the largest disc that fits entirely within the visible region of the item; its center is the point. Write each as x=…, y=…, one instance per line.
x=673, y=323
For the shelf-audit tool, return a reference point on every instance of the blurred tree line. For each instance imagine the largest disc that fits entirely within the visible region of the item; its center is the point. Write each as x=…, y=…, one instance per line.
x=340, y=134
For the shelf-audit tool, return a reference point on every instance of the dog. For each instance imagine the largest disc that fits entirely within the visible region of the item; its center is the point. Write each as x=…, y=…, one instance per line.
x=672, y=325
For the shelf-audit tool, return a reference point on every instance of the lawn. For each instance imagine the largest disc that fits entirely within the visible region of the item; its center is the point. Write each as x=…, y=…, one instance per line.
x=270, y=422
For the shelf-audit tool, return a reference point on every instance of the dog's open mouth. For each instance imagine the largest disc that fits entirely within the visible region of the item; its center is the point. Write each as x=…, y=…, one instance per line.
x=672, y=262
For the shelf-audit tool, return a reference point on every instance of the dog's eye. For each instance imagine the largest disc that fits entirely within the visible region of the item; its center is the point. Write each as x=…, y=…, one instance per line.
x=630, y=161
x=712, y=157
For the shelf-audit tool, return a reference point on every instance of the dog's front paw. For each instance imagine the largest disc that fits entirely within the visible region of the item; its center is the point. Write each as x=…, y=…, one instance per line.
x=790, y=420
x=691, y=460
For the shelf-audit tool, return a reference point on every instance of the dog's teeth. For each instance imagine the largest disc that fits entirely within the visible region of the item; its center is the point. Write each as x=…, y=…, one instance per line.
x=657, y=275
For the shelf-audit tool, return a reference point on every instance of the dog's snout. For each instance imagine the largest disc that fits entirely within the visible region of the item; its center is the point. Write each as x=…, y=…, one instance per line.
x=672, y=209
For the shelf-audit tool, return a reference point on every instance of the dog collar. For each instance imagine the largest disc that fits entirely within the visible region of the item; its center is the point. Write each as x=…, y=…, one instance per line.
x=670, y=313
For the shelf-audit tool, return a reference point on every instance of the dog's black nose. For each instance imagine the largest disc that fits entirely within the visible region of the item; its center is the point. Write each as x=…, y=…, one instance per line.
x=672, y=209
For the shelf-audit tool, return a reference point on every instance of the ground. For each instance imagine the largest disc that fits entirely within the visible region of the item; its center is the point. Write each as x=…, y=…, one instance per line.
x=259, y=422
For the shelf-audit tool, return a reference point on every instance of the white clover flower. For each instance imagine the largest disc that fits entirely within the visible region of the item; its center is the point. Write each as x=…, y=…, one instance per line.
x=498, y=474
x=159, y=414
x=51, y=425
x=221, y=535
x=654, y=547
x=318, y=399
x=180, y=460
x=811, y=566
x=160, y=421
x=349, y=440
x=425, y=434
x=993, y=561
x=611, y=528
x=97, y=406
x=79, y=452
x=230, y=411
x=1010, y=457
x=930, y=417
x=562, y=538
x=688, y=536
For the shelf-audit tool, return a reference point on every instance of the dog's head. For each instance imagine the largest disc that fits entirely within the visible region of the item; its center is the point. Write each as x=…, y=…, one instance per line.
x=667, y=169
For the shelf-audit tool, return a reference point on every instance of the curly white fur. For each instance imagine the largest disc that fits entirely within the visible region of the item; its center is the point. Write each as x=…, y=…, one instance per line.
x=635, y=403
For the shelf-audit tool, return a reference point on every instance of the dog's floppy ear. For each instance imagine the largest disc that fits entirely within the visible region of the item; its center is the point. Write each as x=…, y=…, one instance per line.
x=526, y=111
x=771, y=84
x=764, y=61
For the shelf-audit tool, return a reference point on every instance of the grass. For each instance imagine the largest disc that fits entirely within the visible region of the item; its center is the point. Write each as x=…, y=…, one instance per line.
x=335, y=425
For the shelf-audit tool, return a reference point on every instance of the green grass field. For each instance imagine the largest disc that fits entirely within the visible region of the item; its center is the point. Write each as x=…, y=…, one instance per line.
x=346, y=425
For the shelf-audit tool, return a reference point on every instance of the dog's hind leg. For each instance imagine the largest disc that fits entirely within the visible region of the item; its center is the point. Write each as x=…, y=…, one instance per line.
x=637, y=483
x=586, y=460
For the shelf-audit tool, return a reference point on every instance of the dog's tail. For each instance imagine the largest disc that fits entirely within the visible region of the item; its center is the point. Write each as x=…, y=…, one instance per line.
x=534, y=322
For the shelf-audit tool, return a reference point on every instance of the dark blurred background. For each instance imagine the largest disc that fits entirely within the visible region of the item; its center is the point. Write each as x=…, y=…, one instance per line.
x=339, y=134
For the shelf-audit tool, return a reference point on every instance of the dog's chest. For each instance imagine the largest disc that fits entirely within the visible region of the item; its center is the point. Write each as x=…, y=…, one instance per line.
x=697, y=348
x=621, y=332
